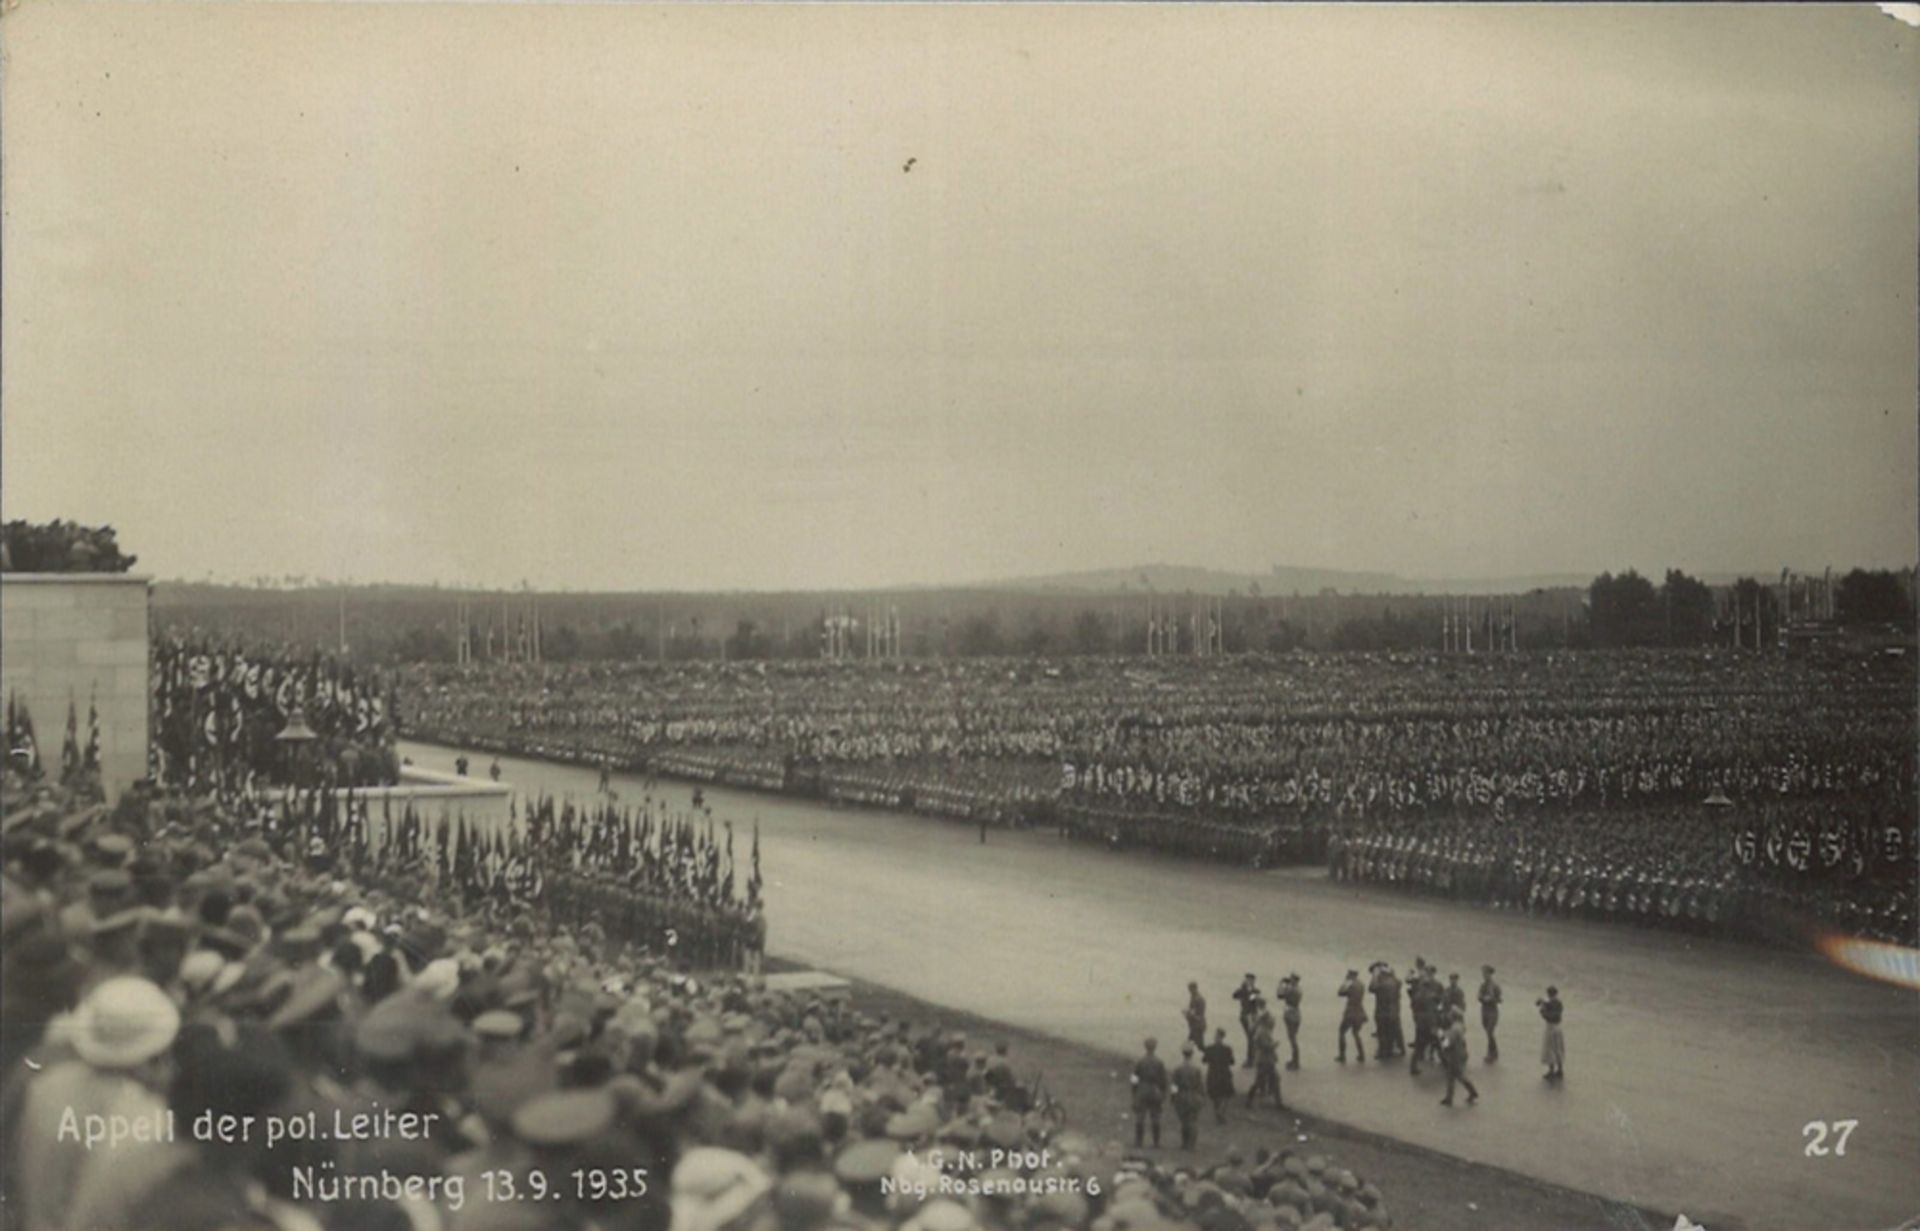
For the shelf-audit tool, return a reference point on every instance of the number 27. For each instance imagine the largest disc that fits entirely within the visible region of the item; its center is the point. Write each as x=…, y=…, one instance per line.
x=1816, y=1133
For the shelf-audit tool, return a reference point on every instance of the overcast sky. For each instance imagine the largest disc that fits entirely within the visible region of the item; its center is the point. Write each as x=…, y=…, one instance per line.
x=616, y=297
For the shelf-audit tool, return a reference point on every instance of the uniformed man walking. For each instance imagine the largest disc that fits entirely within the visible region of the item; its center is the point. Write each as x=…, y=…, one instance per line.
x=1453, y=1054
x=1149, y=1094
x=1490, y=1011
x=1355, y=1016
x=1189, y=1096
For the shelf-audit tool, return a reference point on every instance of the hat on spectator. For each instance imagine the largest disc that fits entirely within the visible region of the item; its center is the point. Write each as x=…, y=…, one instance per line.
x=119, y=923
x=199, y=969
x=865, y=1162
x=1063, y=1206
x=500, y=1090
x=109, y=882
x=1135, y=1212
x=805, y=1200
x=314, y=991
x=941, y=1214
x=405, y=1024
x=918, y=1121
x=562, y=1118
x=439, y=979
x=836, y=1102
x=124, y=1022
x=711, y=1188
x=499, y=1024
x=114, y=849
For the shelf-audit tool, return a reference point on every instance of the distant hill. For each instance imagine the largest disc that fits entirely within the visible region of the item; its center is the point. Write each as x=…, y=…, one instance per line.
x=1182, y=578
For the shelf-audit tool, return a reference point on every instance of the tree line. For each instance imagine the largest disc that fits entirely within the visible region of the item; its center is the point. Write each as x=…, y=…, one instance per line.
x=1626, y=609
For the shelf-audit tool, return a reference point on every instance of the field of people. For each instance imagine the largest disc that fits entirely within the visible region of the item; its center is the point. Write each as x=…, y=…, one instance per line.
x=1703, y=790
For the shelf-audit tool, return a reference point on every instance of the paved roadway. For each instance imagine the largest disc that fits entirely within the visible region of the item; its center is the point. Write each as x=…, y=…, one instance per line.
x=1693, y=1066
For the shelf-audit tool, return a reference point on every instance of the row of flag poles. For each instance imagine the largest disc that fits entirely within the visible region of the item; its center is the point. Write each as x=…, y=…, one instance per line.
x=877, y=634
x=1808, y=597
x=1494, y=621
x=1201, y=619
x=516, y=643
x=1468, y=624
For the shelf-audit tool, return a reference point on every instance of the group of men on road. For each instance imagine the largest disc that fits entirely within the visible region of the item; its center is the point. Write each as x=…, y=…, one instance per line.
x=1439, y=1020
x=1205, y=1074
x=1439, y=1010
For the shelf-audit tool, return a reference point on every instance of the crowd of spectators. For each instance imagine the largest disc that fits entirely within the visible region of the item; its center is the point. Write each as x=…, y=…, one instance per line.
x=215, y=1023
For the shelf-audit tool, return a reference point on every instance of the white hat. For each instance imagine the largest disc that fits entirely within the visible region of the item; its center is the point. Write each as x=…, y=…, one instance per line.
x=440, y=977
x=712, y=1187
x=124, y=1022
x=198, y=969
x=942, y=1215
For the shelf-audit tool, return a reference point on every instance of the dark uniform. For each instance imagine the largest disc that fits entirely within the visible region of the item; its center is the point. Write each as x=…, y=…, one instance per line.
x=1354, y=1017
x=1249, y=997
x=1490, y=1011
x=1266, y=1063
x=1189, y=1096
x=1389, y=1038
x=1149, y=1094
x=1219, y=1062
x=1423, y=991
x=1453, y=1054
x=1196, y=1016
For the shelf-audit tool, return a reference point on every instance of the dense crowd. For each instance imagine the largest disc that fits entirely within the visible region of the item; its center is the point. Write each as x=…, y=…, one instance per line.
x=1341, y=735
x=219, y=709
x=1573, y=783
x=218, y=1020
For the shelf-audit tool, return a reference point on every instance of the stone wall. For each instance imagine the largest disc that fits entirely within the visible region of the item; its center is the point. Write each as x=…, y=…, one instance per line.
x=79, y=637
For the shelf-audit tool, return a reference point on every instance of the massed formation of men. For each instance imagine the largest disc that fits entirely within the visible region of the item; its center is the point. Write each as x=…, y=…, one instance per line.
x=1711, y=869
x=1526, y=781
